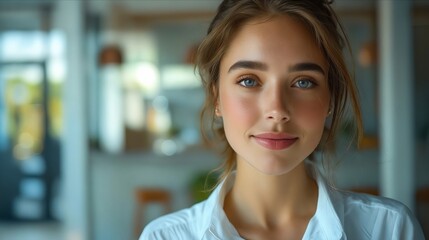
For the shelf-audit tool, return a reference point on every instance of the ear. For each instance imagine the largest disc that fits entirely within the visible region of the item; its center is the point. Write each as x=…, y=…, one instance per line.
x=218, y=112
x=330, y=110
x=215, y=95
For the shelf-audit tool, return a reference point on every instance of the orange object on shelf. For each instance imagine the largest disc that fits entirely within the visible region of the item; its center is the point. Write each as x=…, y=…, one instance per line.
x=146, y=196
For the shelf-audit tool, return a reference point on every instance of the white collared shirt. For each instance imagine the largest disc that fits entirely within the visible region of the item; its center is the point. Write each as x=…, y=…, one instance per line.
x=339, y=215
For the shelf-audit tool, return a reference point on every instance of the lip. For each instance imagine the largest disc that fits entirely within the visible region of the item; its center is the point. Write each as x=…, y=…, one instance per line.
x=275, y=141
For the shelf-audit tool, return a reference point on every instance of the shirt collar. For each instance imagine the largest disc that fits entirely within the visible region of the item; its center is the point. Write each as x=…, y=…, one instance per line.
x=325, y=224
x=219, y=225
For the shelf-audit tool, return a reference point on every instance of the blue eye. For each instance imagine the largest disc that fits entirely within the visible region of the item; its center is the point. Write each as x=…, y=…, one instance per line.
x=304, y=83
x=248, y=82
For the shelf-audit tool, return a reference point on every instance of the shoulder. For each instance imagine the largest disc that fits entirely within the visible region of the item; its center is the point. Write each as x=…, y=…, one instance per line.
x=184, y=224
x=379, y=217
x=353, y=200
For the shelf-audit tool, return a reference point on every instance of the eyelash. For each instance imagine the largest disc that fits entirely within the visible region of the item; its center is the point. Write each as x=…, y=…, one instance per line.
x=244, y=78
x=311, y=82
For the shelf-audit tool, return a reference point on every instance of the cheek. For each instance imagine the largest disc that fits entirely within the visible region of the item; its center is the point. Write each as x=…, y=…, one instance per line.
x=236, y=110
x=311, y=114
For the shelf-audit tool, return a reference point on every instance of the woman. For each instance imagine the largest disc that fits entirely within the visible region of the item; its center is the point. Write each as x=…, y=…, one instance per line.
x=275, y=79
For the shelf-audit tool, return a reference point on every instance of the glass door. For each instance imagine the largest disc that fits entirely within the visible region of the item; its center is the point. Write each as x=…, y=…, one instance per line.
x=29, y=158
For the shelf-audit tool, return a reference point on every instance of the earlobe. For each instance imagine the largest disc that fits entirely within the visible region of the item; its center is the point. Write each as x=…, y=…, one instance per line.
x=217, y=111
x=329, y=112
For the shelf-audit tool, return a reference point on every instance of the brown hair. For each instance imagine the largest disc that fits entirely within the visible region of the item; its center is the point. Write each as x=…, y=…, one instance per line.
x=321, y=20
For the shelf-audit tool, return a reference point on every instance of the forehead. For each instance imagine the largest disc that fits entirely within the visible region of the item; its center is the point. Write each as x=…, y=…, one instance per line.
x=279, y=38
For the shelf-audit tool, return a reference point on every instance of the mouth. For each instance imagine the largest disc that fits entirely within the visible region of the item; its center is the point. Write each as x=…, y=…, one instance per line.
x=275, y=141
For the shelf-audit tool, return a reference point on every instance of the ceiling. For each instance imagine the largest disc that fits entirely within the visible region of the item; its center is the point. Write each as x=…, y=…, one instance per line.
x=20, y=12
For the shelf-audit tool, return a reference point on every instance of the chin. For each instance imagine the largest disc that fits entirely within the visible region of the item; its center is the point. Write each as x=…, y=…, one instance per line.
x=276, y=167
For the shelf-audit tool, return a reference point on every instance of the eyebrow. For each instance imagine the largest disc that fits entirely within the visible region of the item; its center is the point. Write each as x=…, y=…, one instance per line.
x=306, y=66
x=248, y=65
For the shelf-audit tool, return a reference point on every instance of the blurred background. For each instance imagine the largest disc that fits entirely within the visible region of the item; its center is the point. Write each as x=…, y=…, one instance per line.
x=99, y=112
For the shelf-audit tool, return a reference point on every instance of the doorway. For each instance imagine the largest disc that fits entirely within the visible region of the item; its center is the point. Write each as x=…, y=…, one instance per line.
x=29, y=155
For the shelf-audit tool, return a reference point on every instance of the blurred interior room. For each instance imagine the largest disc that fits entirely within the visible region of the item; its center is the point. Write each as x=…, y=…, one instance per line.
x=100, y=124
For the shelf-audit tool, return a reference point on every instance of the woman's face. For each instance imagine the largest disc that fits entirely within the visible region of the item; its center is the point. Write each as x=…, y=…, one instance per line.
x=273, y=94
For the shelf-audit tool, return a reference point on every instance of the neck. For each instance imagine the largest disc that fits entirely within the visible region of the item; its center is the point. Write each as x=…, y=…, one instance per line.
x=271, y=201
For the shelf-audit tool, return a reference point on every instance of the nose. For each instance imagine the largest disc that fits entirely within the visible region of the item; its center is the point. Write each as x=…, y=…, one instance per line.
x=276, y=107
x=278, y=117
